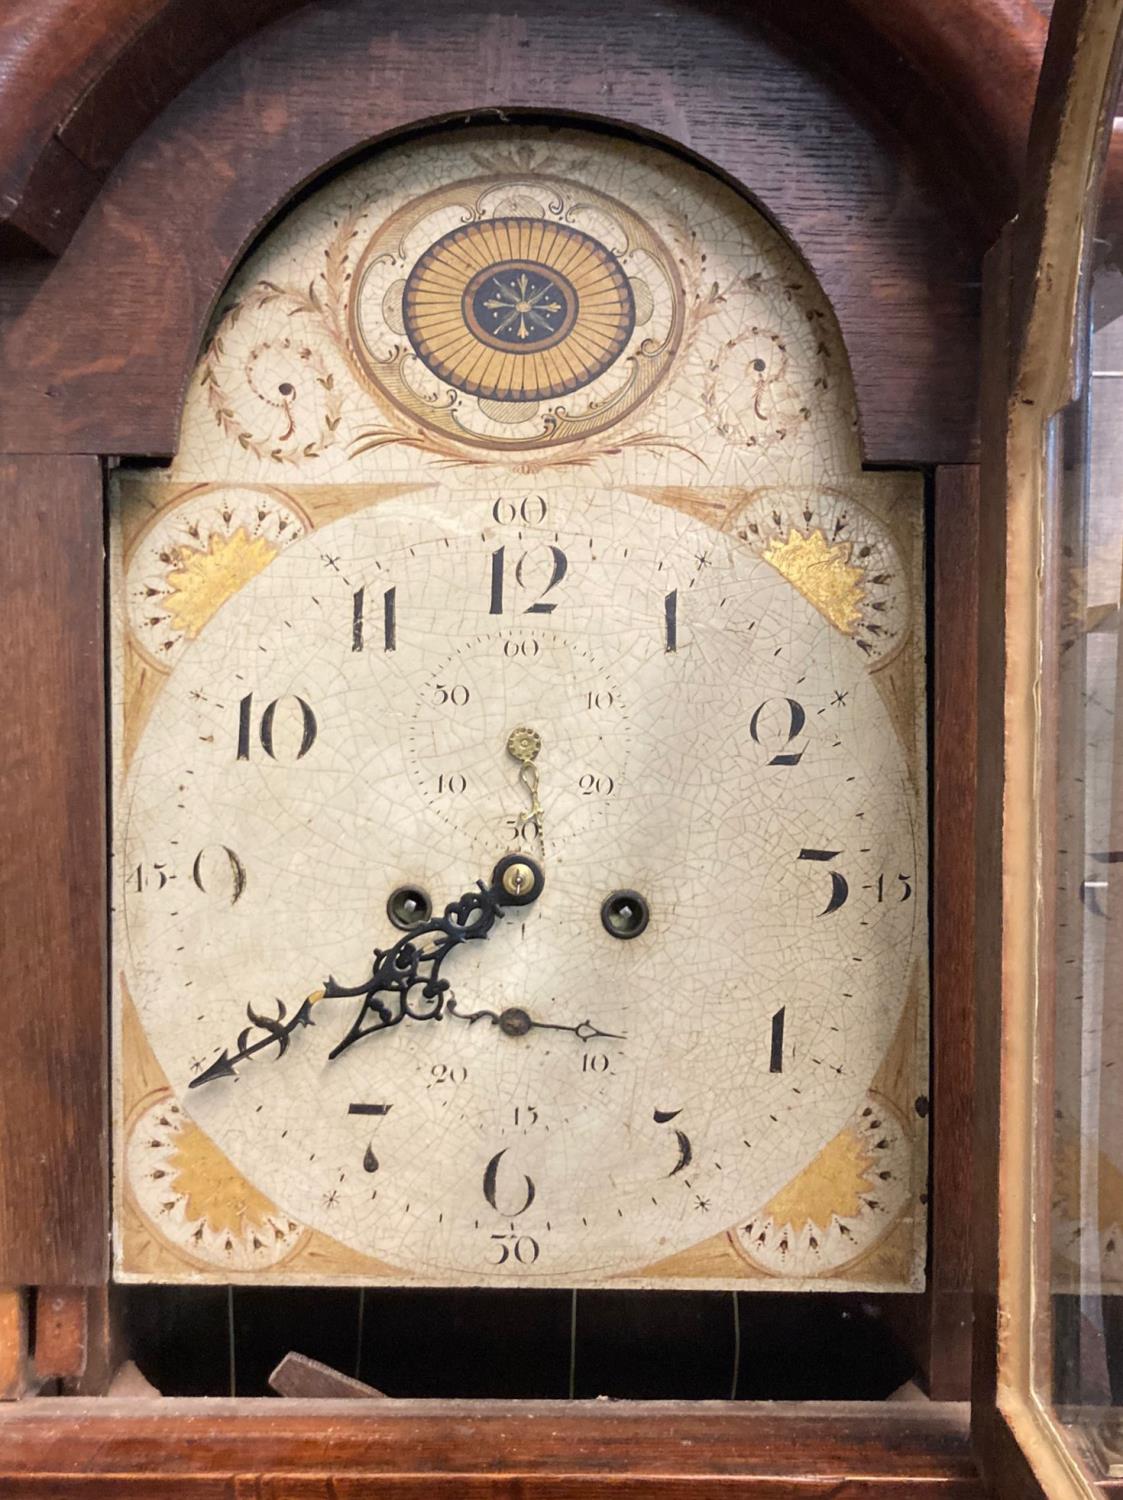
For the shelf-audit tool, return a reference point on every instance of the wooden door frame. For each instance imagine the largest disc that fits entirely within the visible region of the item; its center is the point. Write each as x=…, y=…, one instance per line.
x=1037, y=279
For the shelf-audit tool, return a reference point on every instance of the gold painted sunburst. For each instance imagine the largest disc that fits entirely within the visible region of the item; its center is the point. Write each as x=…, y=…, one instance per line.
x=823, y=574
x=212, y=1189
x=841, y=1204
x=189, y=1198
x=207, y=577
x=831, y=1187
x=518, y=309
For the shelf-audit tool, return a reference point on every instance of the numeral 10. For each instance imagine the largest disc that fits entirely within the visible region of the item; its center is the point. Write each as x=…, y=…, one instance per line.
x=267, y=725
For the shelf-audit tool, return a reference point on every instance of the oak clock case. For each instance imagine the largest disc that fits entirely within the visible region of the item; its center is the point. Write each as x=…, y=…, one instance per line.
x=519, y=755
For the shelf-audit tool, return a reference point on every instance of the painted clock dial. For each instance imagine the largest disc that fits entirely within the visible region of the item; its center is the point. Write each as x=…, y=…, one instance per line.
x=520, y=875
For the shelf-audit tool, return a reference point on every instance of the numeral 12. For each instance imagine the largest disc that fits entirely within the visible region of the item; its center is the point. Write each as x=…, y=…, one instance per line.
x=557, y=573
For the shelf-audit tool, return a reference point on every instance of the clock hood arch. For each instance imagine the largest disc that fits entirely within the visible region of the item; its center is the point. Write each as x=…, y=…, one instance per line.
x=972, y=58
x=889, y=238
x=353, y=220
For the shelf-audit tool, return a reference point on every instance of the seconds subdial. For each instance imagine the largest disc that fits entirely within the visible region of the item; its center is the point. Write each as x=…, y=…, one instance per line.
x=463, y=717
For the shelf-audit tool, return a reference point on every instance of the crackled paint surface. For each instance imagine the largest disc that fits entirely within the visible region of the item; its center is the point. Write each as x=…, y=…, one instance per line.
x=522, y=428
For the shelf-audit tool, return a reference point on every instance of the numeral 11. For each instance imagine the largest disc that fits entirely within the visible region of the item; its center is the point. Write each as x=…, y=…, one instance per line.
x=389, y=619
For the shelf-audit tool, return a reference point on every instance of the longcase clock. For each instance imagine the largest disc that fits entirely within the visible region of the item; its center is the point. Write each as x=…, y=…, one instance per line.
x=492, y=554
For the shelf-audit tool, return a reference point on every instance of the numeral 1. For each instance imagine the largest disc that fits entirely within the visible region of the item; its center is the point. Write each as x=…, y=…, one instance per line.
x=497, y=581
x=670, y=612
x=776, y=1061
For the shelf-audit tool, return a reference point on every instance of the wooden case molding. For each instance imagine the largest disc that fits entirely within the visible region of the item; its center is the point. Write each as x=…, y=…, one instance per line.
x=533, y=1450
x=79, y=82
x=890, y=166
x=145, y=143
x=1036, y=277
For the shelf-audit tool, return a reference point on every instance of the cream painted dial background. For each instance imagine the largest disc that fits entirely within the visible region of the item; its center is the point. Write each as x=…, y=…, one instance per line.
x=709, y=454
x=675, y=773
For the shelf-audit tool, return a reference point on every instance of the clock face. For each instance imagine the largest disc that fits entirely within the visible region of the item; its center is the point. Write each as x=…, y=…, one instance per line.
x=520, y=876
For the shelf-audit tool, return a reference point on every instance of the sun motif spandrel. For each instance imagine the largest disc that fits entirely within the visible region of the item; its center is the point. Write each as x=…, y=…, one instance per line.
x=199, y=546
x=840, y=1205
x=823, y=574
x=839, y=553
x=191, y=1196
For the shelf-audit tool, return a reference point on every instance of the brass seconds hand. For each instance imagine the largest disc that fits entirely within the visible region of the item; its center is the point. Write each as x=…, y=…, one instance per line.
x=523, y=745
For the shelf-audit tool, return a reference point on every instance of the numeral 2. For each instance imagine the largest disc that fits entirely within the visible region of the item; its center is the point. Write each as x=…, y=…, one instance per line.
x=785, y=726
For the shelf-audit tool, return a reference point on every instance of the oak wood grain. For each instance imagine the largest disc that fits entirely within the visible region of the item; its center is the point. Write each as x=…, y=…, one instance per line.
x=61, y=1321
x=53, y=1151
x=527, y=1449
x=990, y=681
x=937, y=1327
x=955, y=594
x=82, y=78
x=96, y=351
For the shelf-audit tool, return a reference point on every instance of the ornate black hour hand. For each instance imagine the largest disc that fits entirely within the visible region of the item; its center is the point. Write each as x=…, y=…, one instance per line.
x=276, y=1032
x=412, y=965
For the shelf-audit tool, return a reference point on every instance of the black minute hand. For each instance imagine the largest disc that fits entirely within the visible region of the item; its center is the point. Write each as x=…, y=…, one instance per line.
x=412, y=964
x=514, y=1021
